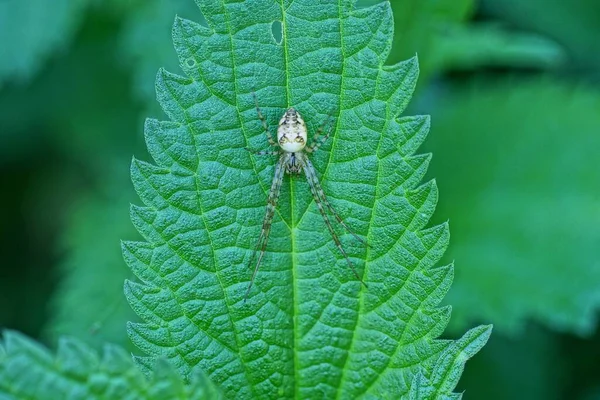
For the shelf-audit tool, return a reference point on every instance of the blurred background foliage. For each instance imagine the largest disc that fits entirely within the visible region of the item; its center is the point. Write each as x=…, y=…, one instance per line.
x=514, y=91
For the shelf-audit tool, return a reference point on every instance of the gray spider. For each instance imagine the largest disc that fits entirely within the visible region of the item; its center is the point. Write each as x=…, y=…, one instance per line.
x=291, y=140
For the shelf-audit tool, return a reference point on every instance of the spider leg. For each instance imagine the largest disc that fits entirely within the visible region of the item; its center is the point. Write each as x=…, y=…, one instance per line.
x=262, y=153
x=263, y=120
x=268, y=219
x=321, y=193
x=317, y=141
x=313, y=188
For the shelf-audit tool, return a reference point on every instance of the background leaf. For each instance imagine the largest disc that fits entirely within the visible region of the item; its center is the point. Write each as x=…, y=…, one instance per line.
x=522, y=202
x=575, y=27
x=90, y=302
x=471, y=46
x=89, y=191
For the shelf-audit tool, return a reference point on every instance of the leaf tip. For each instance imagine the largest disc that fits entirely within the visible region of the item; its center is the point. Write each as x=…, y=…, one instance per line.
x=161, y=76
x=488, y=329
x=446, y=225
x=134, y=162
x=178, y=26
x=151, y=123
x=476, y=338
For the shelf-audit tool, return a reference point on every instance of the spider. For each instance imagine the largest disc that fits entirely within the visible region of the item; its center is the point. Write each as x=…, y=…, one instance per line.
x=291, y=140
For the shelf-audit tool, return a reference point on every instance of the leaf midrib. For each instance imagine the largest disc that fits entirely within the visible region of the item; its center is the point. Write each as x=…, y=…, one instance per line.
x=292, y=227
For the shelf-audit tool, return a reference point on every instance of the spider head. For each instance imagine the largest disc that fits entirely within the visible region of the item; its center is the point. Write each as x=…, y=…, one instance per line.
x=291, y=132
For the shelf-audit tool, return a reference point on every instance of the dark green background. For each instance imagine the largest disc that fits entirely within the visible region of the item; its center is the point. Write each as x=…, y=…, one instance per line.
x=513, y=88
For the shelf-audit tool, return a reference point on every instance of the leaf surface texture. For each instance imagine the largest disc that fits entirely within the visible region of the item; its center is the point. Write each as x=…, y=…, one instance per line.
x=309, y=329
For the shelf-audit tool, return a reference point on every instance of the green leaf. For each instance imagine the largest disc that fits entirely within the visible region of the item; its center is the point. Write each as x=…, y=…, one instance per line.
x=576, y=25
x=309, y=329
x=523, y=201
x=30, y=31
x=30, y=371
x=476, y=45
x=88, y=302
x=30, y=122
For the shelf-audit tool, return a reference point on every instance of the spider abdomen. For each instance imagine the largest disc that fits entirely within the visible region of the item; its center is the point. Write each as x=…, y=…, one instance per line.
x=291, y=132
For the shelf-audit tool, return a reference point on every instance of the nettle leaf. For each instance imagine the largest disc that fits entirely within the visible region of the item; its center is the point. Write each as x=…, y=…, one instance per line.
x=30, y=371
x=309, y=329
